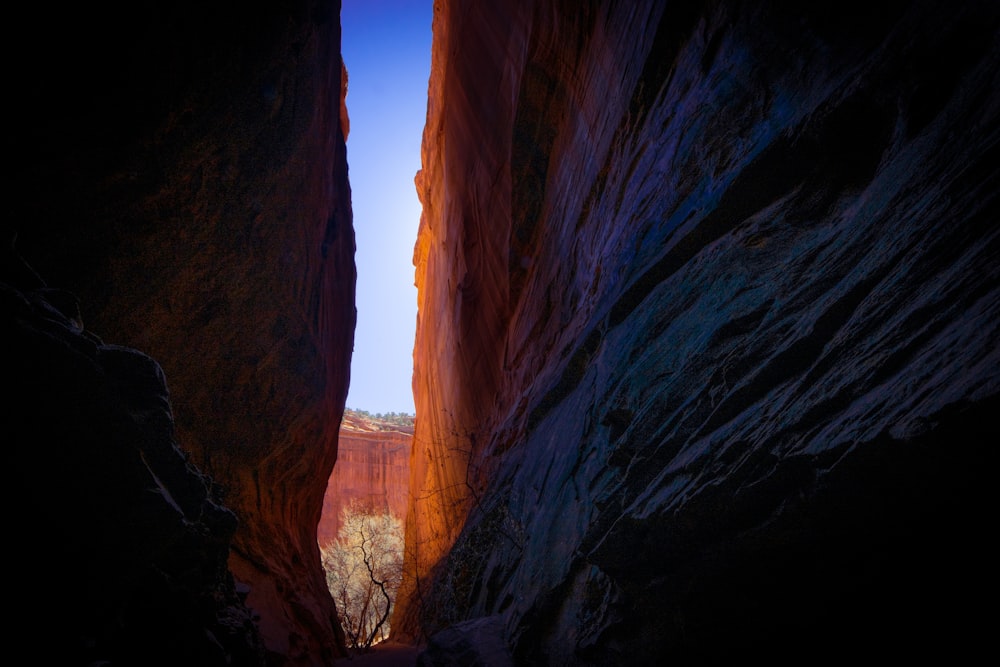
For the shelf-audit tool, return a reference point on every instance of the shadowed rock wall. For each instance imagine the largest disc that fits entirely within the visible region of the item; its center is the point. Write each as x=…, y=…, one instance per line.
x=180, y=167
x=118, y=545
x=707, y=343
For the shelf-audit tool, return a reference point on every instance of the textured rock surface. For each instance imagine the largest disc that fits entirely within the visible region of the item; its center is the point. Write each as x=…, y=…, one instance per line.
x=110, y=526
x=180, y=167
x=373, y=468
x=479, y=641
x=707, y=347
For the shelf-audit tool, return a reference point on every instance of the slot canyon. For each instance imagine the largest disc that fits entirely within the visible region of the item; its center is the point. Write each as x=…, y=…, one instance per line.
x=707, y=358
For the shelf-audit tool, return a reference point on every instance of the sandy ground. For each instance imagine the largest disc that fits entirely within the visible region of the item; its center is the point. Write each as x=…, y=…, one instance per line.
x=387, y=654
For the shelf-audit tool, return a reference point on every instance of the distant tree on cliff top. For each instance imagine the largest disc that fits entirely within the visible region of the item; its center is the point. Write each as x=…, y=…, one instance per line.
x=397, y=418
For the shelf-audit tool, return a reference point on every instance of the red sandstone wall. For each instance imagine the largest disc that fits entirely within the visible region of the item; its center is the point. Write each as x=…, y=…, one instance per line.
x=461, y=271
x=373, y=467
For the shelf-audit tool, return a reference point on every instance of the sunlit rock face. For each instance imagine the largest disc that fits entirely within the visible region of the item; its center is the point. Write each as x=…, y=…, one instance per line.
x=373, y=470
x=707, y=343
x=180, y=167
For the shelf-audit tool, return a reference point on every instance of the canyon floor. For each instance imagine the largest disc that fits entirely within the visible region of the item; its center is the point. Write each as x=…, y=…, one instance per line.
x=388, y=654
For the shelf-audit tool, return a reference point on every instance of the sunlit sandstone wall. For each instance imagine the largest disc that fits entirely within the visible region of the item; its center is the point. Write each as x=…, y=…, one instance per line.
x=181, y=168
x=373, y=469
x=708, y=326
x=462, y=279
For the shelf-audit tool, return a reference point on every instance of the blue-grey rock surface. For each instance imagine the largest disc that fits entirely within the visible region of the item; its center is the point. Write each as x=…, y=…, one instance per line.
x=707, y=356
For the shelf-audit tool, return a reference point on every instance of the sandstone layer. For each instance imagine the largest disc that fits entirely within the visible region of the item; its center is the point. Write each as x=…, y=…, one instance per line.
x=372, y=469
x=707, y=345
x=181, y=168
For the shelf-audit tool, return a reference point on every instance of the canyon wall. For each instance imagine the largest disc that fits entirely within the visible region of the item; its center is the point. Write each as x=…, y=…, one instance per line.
x=117, y=545
x=373, y=469
x=707, y=347
x=181, y=169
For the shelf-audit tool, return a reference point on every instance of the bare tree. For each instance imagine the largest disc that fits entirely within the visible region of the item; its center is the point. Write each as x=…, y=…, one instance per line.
x=364, y=566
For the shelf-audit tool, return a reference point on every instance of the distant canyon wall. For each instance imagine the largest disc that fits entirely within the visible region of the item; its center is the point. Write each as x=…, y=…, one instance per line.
x=707, y=343
x=372, y=469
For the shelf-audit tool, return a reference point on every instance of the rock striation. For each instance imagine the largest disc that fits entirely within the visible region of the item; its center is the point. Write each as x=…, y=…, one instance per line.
x=707, y=357
x=181, y=169
x=373, y=469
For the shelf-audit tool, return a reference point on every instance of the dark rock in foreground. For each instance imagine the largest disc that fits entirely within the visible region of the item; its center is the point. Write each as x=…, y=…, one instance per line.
x=181, y=167
x=119, y=545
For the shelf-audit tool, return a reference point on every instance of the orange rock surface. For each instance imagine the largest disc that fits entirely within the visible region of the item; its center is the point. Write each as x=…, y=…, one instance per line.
x=373, y=468
x=461, y=258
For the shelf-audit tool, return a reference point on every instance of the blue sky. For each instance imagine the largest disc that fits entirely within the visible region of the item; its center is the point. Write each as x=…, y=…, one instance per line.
x=386, y=45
